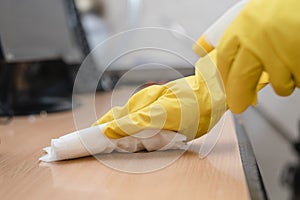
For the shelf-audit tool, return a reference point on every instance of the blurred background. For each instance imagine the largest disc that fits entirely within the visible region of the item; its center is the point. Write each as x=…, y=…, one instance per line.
x=43, y=43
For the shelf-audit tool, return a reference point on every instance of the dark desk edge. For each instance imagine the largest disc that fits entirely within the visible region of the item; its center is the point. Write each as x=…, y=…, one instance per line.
x=253, y=177
x=1, y=51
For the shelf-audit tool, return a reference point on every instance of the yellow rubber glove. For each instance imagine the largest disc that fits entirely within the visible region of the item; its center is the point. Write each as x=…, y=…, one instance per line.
x=264, y=37
x=190, y=106
x=211, y=37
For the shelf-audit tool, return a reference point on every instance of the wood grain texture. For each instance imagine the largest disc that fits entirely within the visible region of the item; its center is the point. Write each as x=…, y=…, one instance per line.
x=218, y=176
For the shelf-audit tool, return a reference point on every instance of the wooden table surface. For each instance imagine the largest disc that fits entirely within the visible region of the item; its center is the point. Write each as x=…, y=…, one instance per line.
x=218, y=176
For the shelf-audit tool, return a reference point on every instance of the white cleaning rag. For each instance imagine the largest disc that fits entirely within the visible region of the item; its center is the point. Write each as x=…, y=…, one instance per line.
x=91, y=141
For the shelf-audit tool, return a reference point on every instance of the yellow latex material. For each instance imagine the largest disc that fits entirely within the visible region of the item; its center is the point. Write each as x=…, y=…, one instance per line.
x=264, y=37
x=191, y=106
x=202, y=47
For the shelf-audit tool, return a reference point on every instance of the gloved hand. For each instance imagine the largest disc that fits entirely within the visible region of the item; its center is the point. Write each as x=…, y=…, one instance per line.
x=264, y=37
x=190, y=106
x=153, y=116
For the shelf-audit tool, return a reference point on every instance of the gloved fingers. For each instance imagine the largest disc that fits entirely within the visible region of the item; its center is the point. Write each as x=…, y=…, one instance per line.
x=281, y=80
x=226, y=54
x=281, y=76
x=138, y=101
x=176, y=110
x=243, y=79
x=155, y=116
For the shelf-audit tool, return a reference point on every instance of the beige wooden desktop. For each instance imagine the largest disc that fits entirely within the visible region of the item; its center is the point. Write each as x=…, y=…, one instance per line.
x=22, y=176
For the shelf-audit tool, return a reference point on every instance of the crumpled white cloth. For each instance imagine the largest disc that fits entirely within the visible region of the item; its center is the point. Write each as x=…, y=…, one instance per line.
x=91, y=141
